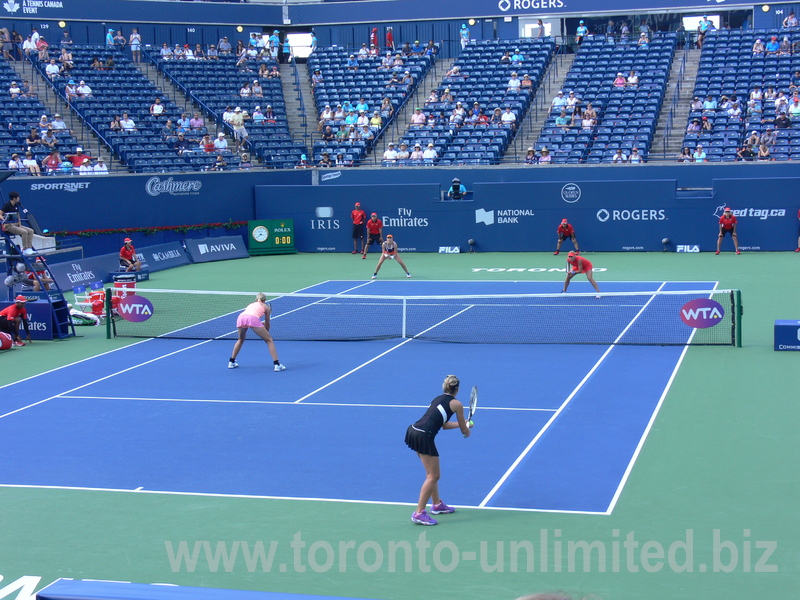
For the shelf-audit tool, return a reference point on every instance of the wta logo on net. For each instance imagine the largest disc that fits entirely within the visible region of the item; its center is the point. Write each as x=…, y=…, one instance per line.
x=702, y=313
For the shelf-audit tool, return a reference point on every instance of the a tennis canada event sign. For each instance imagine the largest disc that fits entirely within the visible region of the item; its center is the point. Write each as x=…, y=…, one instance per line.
x=135, y=308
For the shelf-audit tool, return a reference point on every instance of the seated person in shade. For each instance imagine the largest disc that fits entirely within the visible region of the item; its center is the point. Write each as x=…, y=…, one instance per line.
x=433, y=97
x=110, y=64
x=49, y=139
x=206, y=144
x=52, y=70
x=764, y=153
x=619, y=157
x=362, y=105
x=589, y=112
x=455, y=73
x=326, y=115
x=758, y=48
x=351, y=118
x=709, y=103
x=735, y=111
x=157, y=108
x=696, y=104
x=706, y=125
x=635, y=157
x=390, y=154
x=213, y=53
x=699, y=154
x=471, y=118
x=685, y=156
x=794, y=108
x=196, y=122
x=794, y=83
x=509, y=118
x=362, y=120
x=531, y=158
x=620, y=81
x=220, y=164
x=33, y=139
x=128, y=124
x=772, y=47
x=418, y=119
x=316, y=78
x=343, y=133
x=559, y=101
x=115, y=124
x=785, y=46
x=403, y=153
x=181, y=144
x=386, y=62
x=695, y=127
x=587, y=124
x=545, y=157
x=497, y=117
x=258, y=116
x=517, y=58
x=30, y=163
x=769, y=138
x=328, y=134
x=770, y=94
x=782, y=121
x=633, y=80
x=376, y=122
x=754, y=107
x=245, y=164
x=408, y=79
x=256, y=89
x=753, y=140
x=245, y=91
x=352, y=63
x=745, y=153
x=429, y=154
x=416, y=155
x=394, y=81
x=506, y=58
x=644, y=41
x=198, y=52
x=165, y=52
x=53, y=162
x=83, y=90
x=563, y=120
x=387, y=108
x=527, y=83
x=15, y=164
x=14, y=90
x=341, y=161
x=514, y=84
x=325, y=161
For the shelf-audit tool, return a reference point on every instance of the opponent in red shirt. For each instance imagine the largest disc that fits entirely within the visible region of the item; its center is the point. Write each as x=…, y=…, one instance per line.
x=374, y=229
x=359, y=217
x=577, y=264
x=12, y=316
x=127, y=257
x=727, y=224
x=564, y=231
x=390, y=251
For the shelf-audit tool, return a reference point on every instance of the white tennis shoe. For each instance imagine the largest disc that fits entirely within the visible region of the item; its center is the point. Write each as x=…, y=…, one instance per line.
x=232, y=364
x=279, y=368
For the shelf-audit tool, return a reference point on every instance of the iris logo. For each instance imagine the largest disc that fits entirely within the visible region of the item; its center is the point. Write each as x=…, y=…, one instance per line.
x=702, y=313
x=135, y=308
x=484, y=216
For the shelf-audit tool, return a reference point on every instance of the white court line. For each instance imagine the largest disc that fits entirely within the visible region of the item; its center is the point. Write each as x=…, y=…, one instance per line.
x=104, y=378
x=140, y=490
x=382, y=354
x=561, y=408
x=650, y=423
x=284, y=402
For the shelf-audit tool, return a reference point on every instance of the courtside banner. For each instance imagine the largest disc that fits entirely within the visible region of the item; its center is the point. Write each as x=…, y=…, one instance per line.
x=84, y=271
x=217, y=248
x=163, y=256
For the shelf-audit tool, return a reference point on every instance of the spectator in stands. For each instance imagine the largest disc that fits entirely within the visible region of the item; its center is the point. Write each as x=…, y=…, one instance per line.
x=619, y=82
x=782, y=121
x=352, y=63
x=196, y=122
x=633, y=80
x=206, y=143
x=699, y=154
x=390, y=155
x=526, y=85
x=274, y=73
x=6, y=45
x=610, y=31
x=245, y=90
x=735, y=112
x=325, y=162
x=83, y=90
x=119, y=39
x=177, y=52
x=85, y=168
x=28, y=46
x=497, y=117
x=694, y=128
x=509, y=118
x=564, y=120
x=706, y=125
x=393, y=82
x=66, y=60
x=531, y=158
x=619, y=157
x=165, y=52
x=274, y=43
x=212, y=53
x=362, y=105
x=454, y=74
x=14, y=90
x=77, y=159
x=587, y=124
x=71, y=91
x=15, y=164
x=220, y=164
x=644, y=41
x=240, y=48
x=635, y=158
x=49, y=139
x=429, y=155
x=753, y=140
x=386, y=62
x=709, y=103
x=416, y=155
x=790, y=21
x=43, y=49
x=29, y=162
x=258, y=116
x=772, y=47
x=764, y=153
x=341, y=161
x=376, y=122
x=770, y=94
x=263, y=70
x=181, y=144
x=339, y=114
x=316, y=78
x=287, y=51
x=581, y=32
x=100, y=167
x=559, y=101
x=447, y=96
x=52, y=70
x=157, y=108
x=572, y=101
x=327, y=114
x=545, y=157
x=696, y=104
x=589, y=112
x=221, y=144
x=351, y=117
x=781, y=102
x=432, y=97
x=245, y=163
x=33, y=139
x=241, y=62
x=52, y=163
x=406, y=50
x=417, y=49
x=167, y=131
x=758, y=48
x=43, y=125
x=517, y=58
x=343, y=133
x=362, y=120
x=224, y=46
x=135, y=44
x=745, y=153
x=65, y=40
x=128, y=124
x=418, y=119
x=514, y=84
x=185, y=123
x=256, y=90
x=624, y=32
x=506, y=58
x=407, y=80
x=785, y=46
x=685, y=156
x=472, y=117
x=403, y=153
x=754, y=107
x=187, y=53
x=770, y=137
x=387, y=108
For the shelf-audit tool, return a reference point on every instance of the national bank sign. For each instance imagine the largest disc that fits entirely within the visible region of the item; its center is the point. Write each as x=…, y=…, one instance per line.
x=513, y=5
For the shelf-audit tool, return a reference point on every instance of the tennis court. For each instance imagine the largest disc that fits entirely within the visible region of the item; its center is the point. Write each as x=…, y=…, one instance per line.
x=115, y=460
x=574, y=416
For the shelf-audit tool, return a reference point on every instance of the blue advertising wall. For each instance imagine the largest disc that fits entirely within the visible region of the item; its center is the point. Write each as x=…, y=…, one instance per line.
x=764, y=196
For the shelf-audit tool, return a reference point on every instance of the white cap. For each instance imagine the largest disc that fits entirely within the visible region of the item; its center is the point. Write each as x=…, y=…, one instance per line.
x=78, y=149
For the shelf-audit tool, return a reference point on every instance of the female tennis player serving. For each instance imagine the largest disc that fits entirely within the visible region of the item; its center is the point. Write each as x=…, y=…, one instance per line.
x=577, y=264
x=389, y=250
x=251, y=318
x=420, y=438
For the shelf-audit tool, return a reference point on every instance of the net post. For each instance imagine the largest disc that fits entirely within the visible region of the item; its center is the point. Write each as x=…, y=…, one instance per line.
x=405, y=307
x=108, y=313
x=739, y=312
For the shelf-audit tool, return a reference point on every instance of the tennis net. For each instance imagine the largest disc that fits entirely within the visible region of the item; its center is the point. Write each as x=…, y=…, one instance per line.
x=634, y=318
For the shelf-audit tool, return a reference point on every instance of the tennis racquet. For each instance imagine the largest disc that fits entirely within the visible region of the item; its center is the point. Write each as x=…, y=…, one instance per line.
x=473, y=403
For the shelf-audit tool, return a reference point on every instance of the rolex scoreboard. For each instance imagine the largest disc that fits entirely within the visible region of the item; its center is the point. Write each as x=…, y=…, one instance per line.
x=271, y=236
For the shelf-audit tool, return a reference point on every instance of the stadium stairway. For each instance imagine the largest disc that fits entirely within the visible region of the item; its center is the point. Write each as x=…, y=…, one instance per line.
x=174, y=93
x=552, y=81
x=675, y=140
x=87, y=139
x=401, y=122
x=292, y=96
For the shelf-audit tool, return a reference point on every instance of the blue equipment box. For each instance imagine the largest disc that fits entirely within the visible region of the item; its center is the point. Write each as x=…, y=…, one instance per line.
x=787, y=335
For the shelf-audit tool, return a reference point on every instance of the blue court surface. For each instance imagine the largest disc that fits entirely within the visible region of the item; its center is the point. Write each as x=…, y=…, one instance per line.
x=558, y=428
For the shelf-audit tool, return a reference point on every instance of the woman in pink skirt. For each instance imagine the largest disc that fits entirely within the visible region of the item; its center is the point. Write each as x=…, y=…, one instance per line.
x=255, y=317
